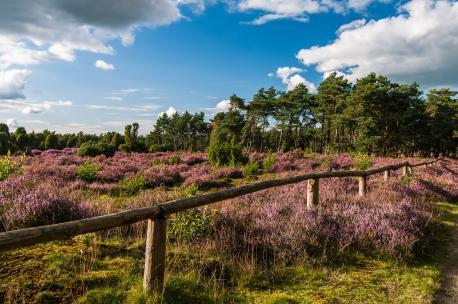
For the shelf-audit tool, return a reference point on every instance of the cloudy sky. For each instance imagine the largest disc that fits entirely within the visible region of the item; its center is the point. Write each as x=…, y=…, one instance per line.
x=96, y=65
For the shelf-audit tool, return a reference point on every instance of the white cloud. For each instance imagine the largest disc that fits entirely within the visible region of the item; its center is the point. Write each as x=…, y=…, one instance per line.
x=115, y=98
x=100, y=64
x=12, y=123
x=12, y=83
x=32, y=107
x=351, y=26
x=152, y=97
x=420, y=44
x=223, y=106
x=299, y=9
x=290, y=76
x=170, y=112
x=143, y=108
x=35, y=31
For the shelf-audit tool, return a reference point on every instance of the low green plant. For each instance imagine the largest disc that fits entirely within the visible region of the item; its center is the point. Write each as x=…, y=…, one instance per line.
x=191, y=190
x=191, y=225
x=268, y=162
x=174, y=160
x=407, y=179
x=93, y=148
x=87, y=171
x=132, y=185
x=363, y=162
x=225, y=154
x=9, y=166
x=157, y=163
x=251, y=169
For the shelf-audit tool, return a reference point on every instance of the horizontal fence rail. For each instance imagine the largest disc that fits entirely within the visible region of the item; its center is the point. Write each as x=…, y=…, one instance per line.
x=156, y=232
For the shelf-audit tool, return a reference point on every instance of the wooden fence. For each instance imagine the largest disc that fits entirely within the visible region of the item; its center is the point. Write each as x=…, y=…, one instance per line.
x=155, y=254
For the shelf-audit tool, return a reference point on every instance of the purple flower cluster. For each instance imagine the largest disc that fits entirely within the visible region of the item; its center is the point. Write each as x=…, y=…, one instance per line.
x=26, y=203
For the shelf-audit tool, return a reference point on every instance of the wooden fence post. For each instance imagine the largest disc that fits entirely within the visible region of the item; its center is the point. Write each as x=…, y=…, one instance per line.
x=156, y=239
x=362, y=185
x=313, y=186
x=405, y=170
x=386, y=175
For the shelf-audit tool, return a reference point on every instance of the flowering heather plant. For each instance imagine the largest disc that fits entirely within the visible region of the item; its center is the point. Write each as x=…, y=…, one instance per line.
x=25, y=203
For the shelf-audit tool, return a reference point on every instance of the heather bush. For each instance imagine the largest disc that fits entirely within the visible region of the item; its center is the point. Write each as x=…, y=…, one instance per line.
x=25, y=203
x=363, y=162
x=132, y=185
x=251, y=169
x=87, y=171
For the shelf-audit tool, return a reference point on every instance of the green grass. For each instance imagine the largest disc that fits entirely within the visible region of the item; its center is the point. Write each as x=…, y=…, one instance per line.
x=96, y=270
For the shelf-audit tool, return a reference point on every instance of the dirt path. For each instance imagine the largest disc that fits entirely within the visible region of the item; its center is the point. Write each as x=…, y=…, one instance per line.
x=449, y=291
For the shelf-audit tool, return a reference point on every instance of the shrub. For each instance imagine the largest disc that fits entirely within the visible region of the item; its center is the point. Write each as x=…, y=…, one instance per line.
x=268, y=162
x=363, y=162
x=174, y=160
x=24, y=203
x=132, y=185
x=159, y=148
x=9, y=166
x=87, y=171
x=92, y=148
x=251, y=169
x=191, y=190
x=226, y=154
x=191, y=225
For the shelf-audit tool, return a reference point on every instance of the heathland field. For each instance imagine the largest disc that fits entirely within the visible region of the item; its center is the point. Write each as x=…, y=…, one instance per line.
x=389, y=246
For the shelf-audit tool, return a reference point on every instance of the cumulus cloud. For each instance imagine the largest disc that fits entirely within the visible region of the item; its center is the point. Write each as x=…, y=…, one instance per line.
x=290, y=76
x=170, y=112
x=419, y=44
x=35, y=31
x=299, y=9
x=12, y=83
x=100, y=64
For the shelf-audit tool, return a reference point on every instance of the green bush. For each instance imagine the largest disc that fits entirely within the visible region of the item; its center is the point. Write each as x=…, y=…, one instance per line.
x=159, y=148
x=132, y=185
x=93, y=148
x=87, y=171
x=268, y=162
x=191, y=190
x=191, y=225
x=9, y=166
x=174, y=160
x=226, y=154
x=251, y=169
x=363, y=162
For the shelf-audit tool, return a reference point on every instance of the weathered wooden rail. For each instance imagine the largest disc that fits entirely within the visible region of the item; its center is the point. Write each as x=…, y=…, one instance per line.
x=155, y=252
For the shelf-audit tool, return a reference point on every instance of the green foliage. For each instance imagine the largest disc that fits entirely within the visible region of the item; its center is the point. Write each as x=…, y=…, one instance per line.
x=191, y=190
x=406, y=180
x=268, y=162
x=225, y=154
x=132, y=185
x=251, y=169
x=87, y=171
x=191, y=225
x=52, y=141
x=363, y=162
x=105, y=295
x=92, y=148
x=159, y=148
x=174, y=160
x=9, y=166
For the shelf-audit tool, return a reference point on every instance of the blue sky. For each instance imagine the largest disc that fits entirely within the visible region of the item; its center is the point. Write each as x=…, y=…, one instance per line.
x=191, y=55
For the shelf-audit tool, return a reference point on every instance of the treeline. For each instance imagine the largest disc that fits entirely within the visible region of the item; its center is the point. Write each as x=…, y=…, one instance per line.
x=375, y=115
